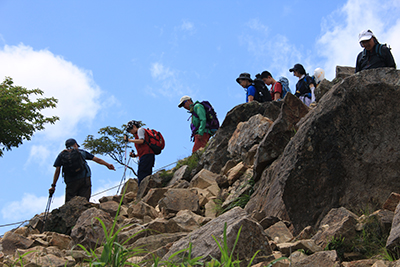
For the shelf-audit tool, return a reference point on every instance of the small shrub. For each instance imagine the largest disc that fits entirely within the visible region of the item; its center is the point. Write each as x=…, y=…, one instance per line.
x=338, y=244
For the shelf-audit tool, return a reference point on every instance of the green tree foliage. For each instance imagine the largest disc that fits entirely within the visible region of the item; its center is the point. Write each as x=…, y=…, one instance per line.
x=111, y=143
x=20, y=117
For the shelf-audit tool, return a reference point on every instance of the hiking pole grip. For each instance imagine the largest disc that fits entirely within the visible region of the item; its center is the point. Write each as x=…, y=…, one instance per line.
x=126, y=138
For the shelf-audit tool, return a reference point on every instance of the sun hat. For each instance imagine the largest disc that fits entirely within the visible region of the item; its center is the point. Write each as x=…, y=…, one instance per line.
x=365, y=35
x=183, y=99
x=244, y=76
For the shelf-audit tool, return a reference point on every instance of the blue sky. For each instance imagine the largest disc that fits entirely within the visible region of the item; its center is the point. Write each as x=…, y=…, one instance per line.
x=108, y=62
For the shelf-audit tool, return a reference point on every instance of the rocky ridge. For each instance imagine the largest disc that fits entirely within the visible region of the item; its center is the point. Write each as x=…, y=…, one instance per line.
x=304, y=183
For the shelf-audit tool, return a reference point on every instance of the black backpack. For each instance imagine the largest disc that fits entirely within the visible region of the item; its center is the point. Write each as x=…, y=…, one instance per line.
x=72, y=162
x=263, y=94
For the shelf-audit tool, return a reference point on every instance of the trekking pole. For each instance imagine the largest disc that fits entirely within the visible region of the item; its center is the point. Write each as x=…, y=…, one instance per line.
x=125, y=163
x=46, y=212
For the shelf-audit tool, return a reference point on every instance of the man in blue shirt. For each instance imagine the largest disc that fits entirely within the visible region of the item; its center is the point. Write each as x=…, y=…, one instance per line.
x=247, y=83
x=78, y=184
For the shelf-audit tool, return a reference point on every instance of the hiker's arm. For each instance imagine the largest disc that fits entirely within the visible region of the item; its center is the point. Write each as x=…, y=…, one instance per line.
x=102, y=162
x=135, y=141
x=277, y=91
x=55, y=179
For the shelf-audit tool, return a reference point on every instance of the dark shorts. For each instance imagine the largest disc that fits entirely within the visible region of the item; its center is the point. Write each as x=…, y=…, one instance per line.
x=81, y=187
x=146, y=164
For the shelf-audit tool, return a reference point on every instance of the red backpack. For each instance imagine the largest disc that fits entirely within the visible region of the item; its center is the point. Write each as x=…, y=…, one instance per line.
x=155, y=140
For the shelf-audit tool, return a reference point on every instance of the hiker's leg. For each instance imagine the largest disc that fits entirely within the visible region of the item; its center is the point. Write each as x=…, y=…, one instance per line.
x=200, y=141
x=85, y=189
x=145, y=168
x=72, y=189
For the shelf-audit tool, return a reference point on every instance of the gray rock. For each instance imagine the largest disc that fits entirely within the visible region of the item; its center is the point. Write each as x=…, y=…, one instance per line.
x=344, y=153
x=183, y=173
x=88, y=231
x=153, y=242
x=343, y=72
x=216, y=154
x=110, y=206
x=279, y=134
x=393, y=240
x=338, y=223
x=320, y=259
x=154, y=195
x=140, y=210
x=247, y=134
x=308, y=245
x=392, y=202
x=250, y=240
x=63, y=219
x=10, y=242
x=279, y=233
x=175, y=200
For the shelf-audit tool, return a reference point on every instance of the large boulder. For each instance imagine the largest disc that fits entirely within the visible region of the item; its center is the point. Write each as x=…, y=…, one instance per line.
x=247, y=134
x=338, y=223
x=250, y=241
x=345, y=153
x=11, y=241
x=175, y=200
x=279, y=134
x=63, y=219
x=216, y=154
x=88, y=231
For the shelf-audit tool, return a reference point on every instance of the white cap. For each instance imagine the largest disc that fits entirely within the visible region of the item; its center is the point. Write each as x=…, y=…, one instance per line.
x=183, y=99
x=365, y=35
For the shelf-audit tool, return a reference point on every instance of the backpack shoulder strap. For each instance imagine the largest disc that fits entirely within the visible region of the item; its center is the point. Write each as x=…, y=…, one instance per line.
x=378, y=49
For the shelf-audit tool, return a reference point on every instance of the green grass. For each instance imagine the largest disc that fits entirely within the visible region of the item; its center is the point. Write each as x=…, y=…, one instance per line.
x=242, y=200
x=114, y=254
x=370, y=242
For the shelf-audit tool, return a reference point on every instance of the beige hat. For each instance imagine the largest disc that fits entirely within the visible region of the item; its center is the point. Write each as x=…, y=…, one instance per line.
x=183, y=99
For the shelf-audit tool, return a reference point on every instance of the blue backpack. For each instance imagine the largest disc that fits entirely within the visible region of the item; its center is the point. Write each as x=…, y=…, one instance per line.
x=285, y=86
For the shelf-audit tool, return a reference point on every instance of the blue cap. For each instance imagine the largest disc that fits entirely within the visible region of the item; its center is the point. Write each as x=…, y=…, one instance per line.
x=70, y=142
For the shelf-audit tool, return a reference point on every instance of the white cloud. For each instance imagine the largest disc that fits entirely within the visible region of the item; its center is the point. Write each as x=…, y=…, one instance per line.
x=171, y=86
x=28, y=206
x=158, y=71
x=339, y=40
x=187, y=26
x=39, y=154
x=74, y=87
x=77, y=93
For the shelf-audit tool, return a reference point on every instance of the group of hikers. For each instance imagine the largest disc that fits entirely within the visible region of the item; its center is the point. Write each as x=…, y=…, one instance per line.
x=204, y=121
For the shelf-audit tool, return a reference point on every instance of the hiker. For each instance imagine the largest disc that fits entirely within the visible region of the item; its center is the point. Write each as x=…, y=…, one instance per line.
x=305, y=85
x=247, y=83
x=319, y=76
x=374, y=55
x=276, y=87
x=200, y=132
x=75, y=170
x=144, y=152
